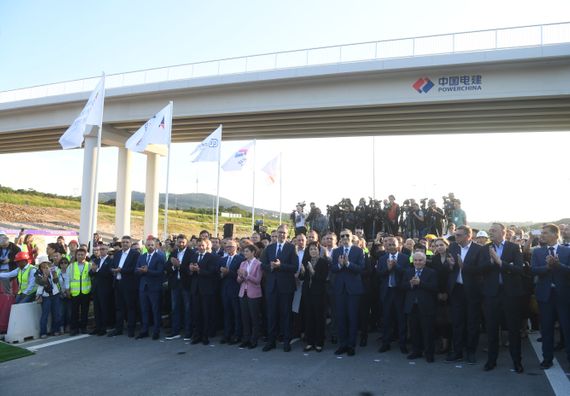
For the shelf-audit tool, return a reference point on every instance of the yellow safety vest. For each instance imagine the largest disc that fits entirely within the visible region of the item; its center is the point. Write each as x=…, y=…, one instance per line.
x=80, y=282
x=23, y=278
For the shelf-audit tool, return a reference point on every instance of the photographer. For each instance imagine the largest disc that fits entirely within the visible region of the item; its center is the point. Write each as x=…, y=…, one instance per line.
x=458, y=216
x=417, y=217
x=434, y=219
x=298, y=217
x=391, y=214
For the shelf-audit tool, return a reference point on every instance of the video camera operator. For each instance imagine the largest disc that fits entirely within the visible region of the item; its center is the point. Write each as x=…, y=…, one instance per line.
x=434, y=219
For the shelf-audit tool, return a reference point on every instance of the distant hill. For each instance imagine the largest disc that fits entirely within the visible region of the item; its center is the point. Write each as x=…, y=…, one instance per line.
x=191, y=200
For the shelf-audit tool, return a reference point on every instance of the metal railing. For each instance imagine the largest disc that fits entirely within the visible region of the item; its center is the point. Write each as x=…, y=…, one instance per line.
x=480, y=40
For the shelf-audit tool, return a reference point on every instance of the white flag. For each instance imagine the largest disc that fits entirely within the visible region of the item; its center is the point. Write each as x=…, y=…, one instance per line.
x=92, y=114
x=209, y=150
x=238, y=160
x=272, y=169
x=155, y=131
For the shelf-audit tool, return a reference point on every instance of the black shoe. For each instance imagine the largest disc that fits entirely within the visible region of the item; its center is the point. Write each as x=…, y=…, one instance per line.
x=171, y=337
x=350, y=351
x=546, y=364
x=518, y=368
x=244, y=344
x=384, y=348
x=115, y=333
x=195, y=341
x=404, y=350
x=414, y=355
x=234, y=341
x=430, y=359
x=471, y=359
x=252, y=345
x=205, y=341
x=141, y=335
x=363, y=340
x=94, y=332
x=286, y=347
x=454, y=357
x=269, y=346
x=319, y=348
x=333, y=340
x=489, y=366
x=307, y=348
x=224, y=340
x=102, y=333
x=341, y=350
x=539, y=339
x=155, y=336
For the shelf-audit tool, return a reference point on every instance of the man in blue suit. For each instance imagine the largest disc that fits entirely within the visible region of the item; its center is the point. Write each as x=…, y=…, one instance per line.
x=347, y=264
x=229, y=265
x=279, y=262
x=552, y=265
x=391, y=267
x=150, y=268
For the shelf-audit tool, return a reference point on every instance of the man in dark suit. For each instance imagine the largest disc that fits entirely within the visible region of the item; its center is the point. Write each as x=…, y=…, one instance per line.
x=101, y=289
x=204, y=275
x=124, y=264
x=279, y=262
x=552, y=265
x=150, y=268
x=347, y=264
x=502, y=294
x=179, y=282
x=391, y=267
x=464, y=290
x=421, y=288
x=229, y=265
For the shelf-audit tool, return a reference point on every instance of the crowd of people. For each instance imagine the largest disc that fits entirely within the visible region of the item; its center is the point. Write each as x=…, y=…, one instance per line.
x=428, y=293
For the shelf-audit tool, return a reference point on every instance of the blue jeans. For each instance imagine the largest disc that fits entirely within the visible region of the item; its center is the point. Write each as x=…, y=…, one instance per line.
x=24, y=298
x=50, y=305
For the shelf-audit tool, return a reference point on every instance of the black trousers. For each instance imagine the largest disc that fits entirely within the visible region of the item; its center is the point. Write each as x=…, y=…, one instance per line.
x=203, y=315
x=422, y=332
x=125, y=306
x=250, y=316
x=465, y=320
x=102, y=308
x=314, y=306
x=79, y=319
x=510, y=308
x=279, y=315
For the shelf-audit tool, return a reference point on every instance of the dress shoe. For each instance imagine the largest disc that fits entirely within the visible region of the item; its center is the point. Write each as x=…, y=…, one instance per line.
x=341, y=350
x=430, y=359
x=307, y=348
x=546, y=364
x=414, y=355
x=244, y=344
x=224, y=340
x=287, y=347
x=384, y=348
x=205, y=341
x=195, y=341
x=350, y=351
x=233, y=341
x=363, y=340
x=471, y=359
x=489, y=366
x=115, y=333
x=252, y=345
x=171, y=337
x=518, y=368
x=155, y=336
x=94, y=332
x=269, y=346
x=454, y=357
x=319, y=348
x=141, y=335
x=404, y=350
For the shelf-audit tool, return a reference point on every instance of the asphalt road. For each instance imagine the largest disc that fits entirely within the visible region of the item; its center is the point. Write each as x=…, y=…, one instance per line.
x=124, y=366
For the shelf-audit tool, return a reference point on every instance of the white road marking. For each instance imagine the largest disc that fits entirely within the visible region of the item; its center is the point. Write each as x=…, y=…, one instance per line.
x=555, y=374
x=34, y=348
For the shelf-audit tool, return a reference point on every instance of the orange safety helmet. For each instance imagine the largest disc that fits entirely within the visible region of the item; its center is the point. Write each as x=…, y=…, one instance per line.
x=22, y=256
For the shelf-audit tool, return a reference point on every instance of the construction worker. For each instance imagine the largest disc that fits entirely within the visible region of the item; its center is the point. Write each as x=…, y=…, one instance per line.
x=26, y=278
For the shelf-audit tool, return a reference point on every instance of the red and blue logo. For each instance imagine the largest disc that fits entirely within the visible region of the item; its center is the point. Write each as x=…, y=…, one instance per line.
x=423, y=85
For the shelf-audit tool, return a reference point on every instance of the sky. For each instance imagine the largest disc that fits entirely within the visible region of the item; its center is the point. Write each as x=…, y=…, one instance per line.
x=48, y=42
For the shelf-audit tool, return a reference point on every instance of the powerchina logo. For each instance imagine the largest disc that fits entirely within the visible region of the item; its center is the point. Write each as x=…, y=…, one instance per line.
x=448, y=84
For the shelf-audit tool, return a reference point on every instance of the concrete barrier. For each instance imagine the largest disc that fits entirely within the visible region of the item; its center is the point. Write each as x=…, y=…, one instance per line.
x=24, y=322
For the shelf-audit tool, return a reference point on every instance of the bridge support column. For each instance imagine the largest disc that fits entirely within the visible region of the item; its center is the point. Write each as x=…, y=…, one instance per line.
x=86, y=225
x=124, y=192
x=151, y=203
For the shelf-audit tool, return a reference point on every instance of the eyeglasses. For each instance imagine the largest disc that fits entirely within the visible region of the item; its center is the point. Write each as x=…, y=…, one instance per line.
x=345, y=236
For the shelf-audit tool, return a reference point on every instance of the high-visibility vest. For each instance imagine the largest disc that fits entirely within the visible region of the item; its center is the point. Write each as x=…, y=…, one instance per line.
x=23, y=278
x=80, y=282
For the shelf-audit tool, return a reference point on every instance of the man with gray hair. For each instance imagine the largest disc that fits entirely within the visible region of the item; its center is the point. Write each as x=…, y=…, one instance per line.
x=8, y=251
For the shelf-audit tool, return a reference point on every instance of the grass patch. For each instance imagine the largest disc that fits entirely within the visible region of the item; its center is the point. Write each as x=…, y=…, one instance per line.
x=10, y=352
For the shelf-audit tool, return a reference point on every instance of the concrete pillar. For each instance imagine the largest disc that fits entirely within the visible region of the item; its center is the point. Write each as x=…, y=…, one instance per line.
x=151, y=195
x=86, y=225
x=124, y=192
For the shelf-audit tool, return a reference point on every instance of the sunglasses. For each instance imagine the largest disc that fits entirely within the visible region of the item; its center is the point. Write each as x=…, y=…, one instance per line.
x=345, y=236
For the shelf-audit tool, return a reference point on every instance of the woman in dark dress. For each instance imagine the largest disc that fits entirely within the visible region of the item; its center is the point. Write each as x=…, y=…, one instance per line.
x=440, y=262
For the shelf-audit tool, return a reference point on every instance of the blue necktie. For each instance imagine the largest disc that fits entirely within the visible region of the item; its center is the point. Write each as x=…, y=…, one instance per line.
x=392, y=277
x=278, y=249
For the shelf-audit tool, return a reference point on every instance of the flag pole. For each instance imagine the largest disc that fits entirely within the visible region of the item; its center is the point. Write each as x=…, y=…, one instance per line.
x=253, y=196
x=165, y=233
x=218, y=189
x=95, y=197
x=280, y=187
x=374, y=167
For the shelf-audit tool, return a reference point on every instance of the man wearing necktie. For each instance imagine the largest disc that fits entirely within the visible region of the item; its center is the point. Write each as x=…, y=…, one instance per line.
x=280, y=263
x=102, y=290
x=391, y=267
x=552, y=265
x=150, y=268
x=347, y=265
x=229, y=265
x=502, y=295
x=421, y=288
